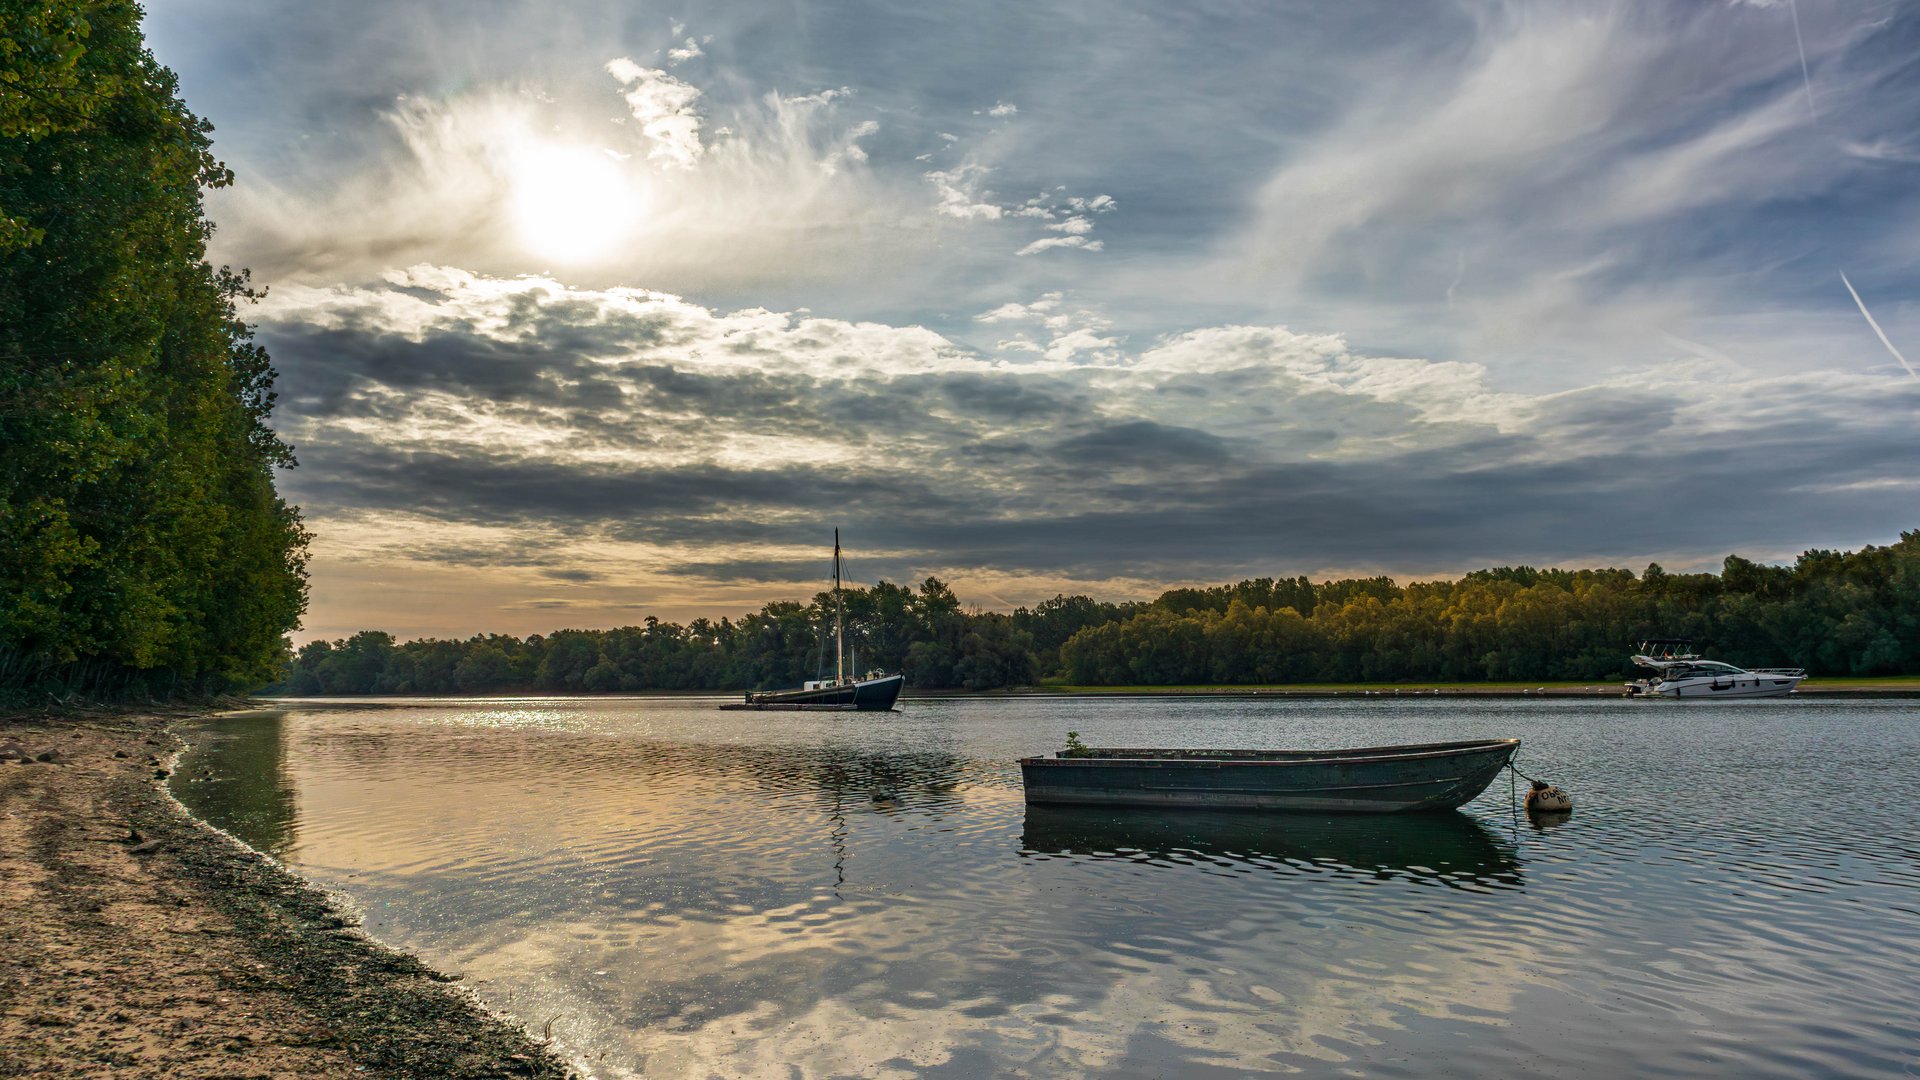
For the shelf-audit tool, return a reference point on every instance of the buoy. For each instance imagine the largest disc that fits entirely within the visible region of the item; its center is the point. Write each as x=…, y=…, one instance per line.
x=1544, y=798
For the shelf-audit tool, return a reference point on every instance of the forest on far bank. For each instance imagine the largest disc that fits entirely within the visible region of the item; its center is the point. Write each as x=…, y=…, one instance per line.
x=1834, y=613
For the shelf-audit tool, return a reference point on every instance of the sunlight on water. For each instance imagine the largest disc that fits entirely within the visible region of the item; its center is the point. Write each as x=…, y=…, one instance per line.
x=692, y=892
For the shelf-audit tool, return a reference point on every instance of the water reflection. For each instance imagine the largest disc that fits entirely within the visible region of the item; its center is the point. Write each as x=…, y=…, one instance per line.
x=235, y=777
x=1449, y=849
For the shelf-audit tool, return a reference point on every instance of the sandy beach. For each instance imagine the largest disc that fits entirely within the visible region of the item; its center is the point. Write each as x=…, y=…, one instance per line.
x=136, y=942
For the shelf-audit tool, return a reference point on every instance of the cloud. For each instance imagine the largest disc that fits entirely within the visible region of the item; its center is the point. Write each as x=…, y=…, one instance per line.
x=681, y=54
x=640, y=426
x=663, y=105
x=957, y=189
x=1011, y=311
x=1003, y=108
x=478, y=179
x=1622, y=153
x=1047, y=243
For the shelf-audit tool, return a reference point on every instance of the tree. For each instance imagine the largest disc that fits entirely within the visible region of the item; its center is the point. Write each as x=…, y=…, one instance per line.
x=141, y=539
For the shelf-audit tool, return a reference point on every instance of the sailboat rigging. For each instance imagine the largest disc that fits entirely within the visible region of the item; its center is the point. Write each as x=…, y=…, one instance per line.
x=876, y=692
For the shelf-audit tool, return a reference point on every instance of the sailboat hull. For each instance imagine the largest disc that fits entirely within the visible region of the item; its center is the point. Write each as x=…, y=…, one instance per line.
x=865, y=695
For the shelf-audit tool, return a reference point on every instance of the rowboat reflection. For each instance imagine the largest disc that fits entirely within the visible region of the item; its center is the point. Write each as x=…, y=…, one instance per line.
x=1449, y=849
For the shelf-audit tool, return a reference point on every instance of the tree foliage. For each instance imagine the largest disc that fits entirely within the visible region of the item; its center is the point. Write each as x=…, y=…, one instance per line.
x=1835, y=614
x=1855, y=613
x=141, y=539
x=920, y=631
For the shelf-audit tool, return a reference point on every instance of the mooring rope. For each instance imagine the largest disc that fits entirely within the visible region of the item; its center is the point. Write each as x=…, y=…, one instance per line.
x=1520, y=774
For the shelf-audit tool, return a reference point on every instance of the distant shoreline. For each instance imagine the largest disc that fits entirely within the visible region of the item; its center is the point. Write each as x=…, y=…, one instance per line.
x=1890, y=686
x=1905, y=685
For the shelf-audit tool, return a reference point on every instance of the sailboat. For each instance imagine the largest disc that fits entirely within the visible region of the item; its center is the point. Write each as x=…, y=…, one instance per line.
x=875, y=692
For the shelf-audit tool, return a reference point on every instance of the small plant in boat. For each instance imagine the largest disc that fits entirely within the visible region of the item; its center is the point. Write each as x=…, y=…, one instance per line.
x=1075, y=748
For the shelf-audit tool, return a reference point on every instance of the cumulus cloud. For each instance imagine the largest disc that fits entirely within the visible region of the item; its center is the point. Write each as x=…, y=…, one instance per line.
x=957, y=190
x=663, y=106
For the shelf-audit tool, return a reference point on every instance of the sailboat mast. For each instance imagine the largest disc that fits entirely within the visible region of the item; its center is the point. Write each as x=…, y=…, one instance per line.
x=839, y=630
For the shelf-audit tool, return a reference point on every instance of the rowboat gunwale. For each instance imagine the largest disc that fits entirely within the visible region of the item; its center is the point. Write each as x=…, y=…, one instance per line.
x=1361, y=755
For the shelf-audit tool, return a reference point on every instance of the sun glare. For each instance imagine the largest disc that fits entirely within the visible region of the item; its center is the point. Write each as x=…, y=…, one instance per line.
x=569, y=204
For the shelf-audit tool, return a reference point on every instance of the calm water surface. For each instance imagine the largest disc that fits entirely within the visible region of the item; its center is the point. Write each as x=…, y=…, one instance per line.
x=698, y=893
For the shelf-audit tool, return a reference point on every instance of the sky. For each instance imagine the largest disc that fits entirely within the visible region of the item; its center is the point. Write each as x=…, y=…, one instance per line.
x=592, y=311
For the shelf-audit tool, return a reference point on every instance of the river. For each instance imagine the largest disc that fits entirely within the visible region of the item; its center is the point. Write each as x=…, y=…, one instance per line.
x=690, y=892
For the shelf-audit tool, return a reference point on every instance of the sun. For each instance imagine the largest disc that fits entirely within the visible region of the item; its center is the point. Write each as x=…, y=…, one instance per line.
x=571, y=204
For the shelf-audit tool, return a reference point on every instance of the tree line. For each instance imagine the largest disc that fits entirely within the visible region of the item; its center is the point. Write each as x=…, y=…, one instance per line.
x=1835, y=613
x=921, y=632
x=142, y=543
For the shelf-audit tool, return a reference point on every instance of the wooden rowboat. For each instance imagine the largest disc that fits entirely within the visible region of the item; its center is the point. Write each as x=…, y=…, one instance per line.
x=1373, y=779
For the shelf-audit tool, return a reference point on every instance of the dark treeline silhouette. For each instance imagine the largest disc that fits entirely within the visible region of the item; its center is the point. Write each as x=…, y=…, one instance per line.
x=921, y=632
x=142, y=545
x=1854, y=613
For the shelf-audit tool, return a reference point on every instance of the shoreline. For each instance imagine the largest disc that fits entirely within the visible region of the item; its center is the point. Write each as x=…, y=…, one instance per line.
x=139, y=940
x=1893, y=686
x=1896, y=687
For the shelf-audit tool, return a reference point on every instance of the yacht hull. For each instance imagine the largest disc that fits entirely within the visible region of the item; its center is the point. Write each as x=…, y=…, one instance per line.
x=1745, y=685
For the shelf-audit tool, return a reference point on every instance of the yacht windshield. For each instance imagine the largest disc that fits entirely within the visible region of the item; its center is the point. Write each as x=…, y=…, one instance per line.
x=1702, y=669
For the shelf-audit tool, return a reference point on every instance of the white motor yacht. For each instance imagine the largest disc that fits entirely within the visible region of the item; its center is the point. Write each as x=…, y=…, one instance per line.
x=1678, y=672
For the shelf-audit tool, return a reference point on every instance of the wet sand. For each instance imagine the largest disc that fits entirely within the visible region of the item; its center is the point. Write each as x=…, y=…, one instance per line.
x=136, y=942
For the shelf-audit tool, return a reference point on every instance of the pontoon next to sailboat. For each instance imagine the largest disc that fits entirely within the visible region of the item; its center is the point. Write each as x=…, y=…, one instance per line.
x=875, y=693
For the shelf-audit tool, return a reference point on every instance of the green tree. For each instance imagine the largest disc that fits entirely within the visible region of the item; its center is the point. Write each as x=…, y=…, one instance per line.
x=141, y=540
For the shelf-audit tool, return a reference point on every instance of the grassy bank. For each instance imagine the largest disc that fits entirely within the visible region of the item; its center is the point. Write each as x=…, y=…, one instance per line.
x=136, y=940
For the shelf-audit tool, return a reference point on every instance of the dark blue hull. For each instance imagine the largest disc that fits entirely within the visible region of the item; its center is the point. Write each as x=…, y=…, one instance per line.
x=865, y=695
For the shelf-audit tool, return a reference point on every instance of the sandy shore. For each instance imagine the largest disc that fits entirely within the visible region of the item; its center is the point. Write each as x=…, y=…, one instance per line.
x=134, y=942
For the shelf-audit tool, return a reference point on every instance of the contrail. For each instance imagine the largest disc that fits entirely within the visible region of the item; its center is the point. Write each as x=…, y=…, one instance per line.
x=1805, y=79
x=1876, y=326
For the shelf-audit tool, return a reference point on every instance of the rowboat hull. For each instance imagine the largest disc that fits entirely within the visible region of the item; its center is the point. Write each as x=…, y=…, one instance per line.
x=1383, y=779
x=865, y=695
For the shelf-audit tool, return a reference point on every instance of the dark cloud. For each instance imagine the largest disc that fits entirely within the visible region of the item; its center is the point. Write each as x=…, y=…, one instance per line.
x=331, y=372
x=1141, y=442
x=1430, y=511
x=1007, y=398
x=350, y=472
